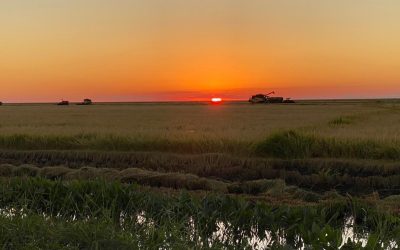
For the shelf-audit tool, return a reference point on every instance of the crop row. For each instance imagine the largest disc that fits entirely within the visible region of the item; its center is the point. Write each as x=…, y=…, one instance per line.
x=200, y=164
x=128, y=175
x=287, y=144
x=271, y=188
x=347, y=176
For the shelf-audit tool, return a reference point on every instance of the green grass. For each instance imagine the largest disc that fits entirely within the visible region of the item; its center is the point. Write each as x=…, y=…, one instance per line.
x=207, y=171
x=36, y=232
x=342, y=120
x=83, y=214
x=119, y=143
x=129, y=175
x=293, y=144
x=288, y=144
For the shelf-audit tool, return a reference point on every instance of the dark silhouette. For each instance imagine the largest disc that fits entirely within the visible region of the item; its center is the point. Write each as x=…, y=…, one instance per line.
x=86, y=102
x=63, y=103
x=288, y=100
x=261, y=98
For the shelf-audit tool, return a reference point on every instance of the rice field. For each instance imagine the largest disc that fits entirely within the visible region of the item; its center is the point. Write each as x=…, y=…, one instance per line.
x=234, y=121
x=310, y=175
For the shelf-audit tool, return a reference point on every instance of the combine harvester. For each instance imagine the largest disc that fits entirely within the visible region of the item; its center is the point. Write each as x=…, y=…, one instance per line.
x=85, y=102
x=261, y=98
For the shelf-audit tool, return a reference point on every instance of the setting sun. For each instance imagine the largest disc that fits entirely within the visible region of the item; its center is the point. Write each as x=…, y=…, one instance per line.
x=216, y=100
x=164, y=50
x=224, y=124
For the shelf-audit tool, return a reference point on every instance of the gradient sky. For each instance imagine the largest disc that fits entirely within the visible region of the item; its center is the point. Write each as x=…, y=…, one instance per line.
x=120, y=50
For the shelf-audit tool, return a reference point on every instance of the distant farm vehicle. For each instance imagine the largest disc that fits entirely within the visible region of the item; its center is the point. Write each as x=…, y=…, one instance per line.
x=63, y=103
x=260, y=98
x=266, y=98
x=274, y=99
x=86, y=102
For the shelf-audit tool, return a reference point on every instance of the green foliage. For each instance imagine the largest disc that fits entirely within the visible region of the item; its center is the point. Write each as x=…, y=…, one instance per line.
x=290, y=144
x=110, y=142
x=342, y=120
x=128, y=175
x=36, y=232
x=81, y=214
x=293, y=144
x=208, y=171
x=257, y=187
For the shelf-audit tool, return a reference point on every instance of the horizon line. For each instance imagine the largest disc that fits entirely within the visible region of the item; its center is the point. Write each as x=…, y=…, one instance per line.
x=206, y=101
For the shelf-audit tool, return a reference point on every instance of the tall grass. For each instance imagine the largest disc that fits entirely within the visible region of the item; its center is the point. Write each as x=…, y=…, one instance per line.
x=288, y=144
x=120, y=143
x=81, y=208
x=294, y=144
x=342, y=120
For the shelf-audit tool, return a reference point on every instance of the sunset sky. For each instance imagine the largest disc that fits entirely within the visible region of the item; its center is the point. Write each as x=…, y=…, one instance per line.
x=150, y=50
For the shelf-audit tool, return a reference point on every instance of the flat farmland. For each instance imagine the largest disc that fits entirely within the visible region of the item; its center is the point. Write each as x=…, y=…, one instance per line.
x=239, y=121
x=230, y=122
x=315, y=174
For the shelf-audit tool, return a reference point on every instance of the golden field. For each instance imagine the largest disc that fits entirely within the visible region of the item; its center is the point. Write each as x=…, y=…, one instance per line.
x=378, y=120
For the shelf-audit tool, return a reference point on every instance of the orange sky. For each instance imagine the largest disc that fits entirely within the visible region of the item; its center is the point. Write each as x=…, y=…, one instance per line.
x=121, y=50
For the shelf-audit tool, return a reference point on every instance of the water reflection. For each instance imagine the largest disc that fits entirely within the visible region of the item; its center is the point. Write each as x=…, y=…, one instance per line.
x=225, y=233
